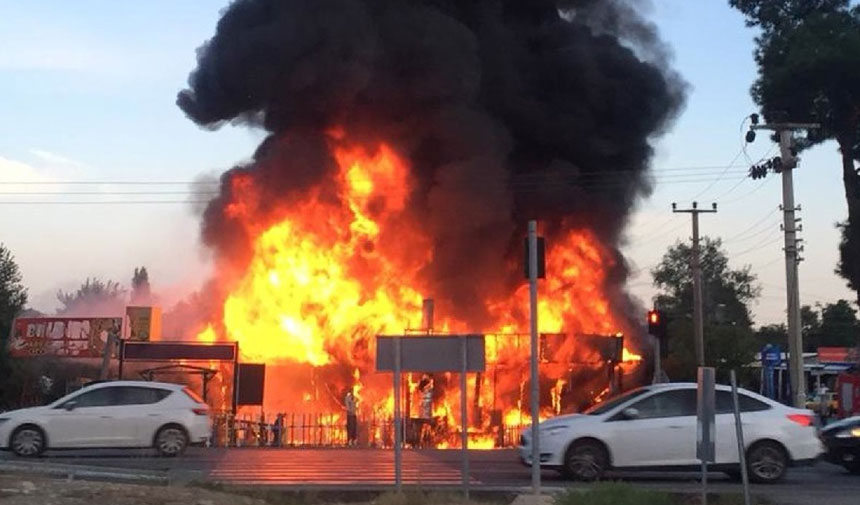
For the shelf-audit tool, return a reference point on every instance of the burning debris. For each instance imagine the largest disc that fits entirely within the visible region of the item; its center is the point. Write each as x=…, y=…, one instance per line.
x=410, y=141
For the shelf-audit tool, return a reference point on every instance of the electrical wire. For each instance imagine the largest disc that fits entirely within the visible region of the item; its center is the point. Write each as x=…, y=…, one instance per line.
x=753, y=226
x=108, y=202
x=758, y=246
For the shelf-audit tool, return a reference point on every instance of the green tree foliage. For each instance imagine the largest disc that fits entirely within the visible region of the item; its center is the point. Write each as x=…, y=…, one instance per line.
x=829, y=325
x=94, y=297
x=141, y=292
x=726, y=293
x=730, y=342
x=13, y=295
x=807, y=55
x=839, y=325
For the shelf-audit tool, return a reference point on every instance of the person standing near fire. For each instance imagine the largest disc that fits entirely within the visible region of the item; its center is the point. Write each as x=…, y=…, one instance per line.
x=425, y=388
x=350, y=403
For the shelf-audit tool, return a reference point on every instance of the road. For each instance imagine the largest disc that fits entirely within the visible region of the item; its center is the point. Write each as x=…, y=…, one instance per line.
x=373, y=468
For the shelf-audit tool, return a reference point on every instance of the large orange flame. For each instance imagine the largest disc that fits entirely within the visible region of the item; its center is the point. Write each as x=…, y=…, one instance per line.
x=344, y=264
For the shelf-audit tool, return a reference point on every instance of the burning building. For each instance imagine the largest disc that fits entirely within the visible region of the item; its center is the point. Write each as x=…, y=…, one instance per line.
x=409, y=142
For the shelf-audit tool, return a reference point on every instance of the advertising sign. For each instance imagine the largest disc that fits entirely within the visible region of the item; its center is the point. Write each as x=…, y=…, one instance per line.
x=71, y=337
x=144, y=323
x=431, y=354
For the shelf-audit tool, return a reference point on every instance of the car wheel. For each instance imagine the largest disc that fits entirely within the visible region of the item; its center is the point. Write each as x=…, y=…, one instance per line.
x=586, y=460
x=27, y=441
x=171, y=441
x=766, y=462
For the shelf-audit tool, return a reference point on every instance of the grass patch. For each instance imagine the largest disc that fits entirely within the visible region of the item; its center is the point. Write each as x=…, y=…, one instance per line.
x=423, y=498
x=615, y=493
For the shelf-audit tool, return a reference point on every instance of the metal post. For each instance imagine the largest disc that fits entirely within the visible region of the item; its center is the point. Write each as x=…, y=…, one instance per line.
x=464, y=421
x=398, y=478
x=792, y=287
x=740, y=436
x=121, y=359
x=658, y=377
x=534, y=377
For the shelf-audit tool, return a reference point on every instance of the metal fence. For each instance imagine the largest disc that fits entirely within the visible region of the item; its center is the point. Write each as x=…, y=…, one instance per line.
x=329, y=430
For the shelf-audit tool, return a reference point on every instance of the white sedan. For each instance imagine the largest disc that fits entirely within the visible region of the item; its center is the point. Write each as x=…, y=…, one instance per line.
x=654, y=427
x=166, y=416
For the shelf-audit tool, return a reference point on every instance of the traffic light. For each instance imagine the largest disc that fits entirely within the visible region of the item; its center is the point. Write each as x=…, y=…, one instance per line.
x=657, y=324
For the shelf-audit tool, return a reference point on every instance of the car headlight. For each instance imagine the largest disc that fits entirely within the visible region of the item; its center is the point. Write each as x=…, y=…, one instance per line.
x=849, y=433
x=554, y=430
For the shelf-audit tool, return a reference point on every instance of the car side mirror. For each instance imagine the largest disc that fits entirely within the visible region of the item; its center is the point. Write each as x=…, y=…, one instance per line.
x=630, y=414
x=70, y=406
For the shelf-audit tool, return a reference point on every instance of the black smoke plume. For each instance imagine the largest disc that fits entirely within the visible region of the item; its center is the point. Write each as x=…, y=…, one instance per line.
x=508, y=110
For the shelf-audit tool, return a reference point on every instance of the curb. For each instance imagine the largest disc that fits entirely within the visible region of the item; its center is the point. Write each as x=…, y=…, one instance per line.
x=72, y=472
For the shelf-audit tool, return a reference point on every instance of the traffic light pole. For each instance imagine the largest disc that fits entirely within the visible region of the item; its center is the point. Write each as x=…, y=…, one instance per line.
x=658, y=377
x=534, y=377
x=698, y=324
x=788, y=161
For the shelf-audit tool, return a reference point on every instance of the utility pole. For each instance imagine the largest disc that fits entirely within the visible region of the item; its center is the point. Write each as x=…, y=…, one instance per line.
x=785, y=164
x=698, y=325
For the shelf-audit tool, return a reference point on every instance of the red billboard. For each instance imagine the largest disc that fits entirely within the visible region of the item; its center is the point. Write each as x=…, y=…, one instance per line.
x=74, y=337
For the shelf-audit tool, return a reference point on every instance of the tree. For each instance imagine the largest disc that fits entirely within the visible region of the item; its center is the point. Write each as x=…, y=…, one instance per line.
x=730, y=342
x=13, y=297
x=726, y=293
x=776, y=334
x=13, y=294
x=807, y=56
x=839, y=325
x=94, y=297
x=140, y=289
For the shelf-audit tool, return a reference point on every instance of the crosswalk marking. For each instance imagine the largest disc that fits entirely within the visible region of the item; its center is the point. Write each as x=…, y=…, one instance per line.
x=332, y=467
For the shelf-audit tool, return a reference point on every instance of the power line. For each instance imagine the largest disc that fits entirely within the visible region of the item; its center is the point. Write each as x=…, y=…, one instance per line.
x=136, y=183
x=107, y=202
x=106, y=193
x=758, y=246
x=770, y=228
x=754, y=225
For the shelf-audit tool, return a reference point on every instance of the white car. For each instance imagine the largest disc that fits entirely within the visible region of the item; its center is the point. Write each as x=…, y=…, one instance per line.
x=654, y=427
x=166, y=416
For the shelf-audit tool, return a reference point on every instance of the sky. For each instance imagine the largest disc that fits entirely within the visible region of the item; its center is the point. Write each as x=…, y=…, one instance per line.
x=87, y=95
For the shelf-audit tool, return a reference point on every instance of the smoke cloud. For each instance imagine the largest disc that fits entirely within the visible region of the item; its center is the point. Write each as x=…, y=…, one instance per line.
x=507, y=110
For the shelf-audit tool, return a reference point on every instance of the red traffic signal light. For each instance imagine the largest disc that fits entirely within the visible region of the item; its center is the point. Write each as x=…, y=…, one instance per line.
x=657, y=323
x=653, y=317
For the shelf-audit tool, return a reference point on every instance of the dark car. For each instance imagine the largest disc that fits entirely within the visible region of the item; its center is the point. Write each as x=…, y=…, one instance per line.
x=843, y=443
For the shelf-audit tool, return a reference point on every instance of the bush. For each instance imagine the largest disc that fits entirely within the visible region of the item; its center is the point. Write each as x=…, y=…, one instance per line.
x=614, y=493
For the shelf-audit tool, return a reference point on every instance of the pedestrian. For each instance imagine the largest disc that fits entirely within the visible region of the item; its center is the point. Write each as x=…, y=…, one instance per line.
x=277, y=430
x=350, y=404
x=425, y=387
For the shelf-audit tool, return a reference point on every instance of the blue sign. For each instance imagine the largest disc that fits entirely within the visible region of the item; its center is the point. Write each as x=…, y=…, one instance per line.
x=771, y=355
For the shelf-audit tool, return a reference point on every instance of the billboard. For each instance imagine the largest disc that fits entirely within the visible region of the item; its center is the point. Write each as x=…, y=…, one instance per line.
x=72, y=337
x=144, y=323
x=168, y=351
x=437, y=353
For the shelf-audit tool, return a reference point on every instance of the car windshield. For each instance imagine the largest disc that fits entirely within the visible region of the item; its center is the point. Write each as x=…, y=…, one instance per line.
x=604, y=407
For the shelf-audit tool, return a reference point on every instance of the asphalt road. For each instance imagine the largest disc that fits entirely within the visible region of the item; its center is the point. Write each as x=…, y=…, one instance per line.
x=374, y=468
